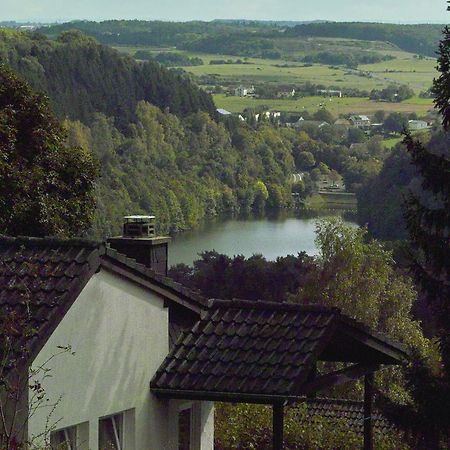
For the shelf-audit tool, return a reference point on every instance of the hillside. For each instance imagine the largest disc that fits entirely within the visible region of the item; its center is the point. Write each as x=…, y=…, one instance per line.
x=82, y=77
x=250, y=38
x=420, y=39
x=159, y=149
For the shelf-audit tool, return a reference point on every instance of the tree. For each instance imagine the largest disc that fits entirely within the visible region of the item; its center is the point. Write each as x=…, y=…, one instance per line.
x=395, y=123
x=46, y=188
x=427, y=212
x=305, y=161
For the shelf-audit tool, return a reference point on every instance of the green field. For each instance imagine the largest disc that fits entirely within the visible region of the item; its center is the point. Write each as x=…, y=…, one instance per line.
x=357, y=105
x=405, y=69
x=408, y=70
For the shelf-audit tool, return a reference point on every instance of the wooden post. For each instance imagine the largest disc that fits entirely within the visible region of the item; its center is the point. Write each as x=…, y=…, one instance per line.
x=278, y=425
x=368, y=411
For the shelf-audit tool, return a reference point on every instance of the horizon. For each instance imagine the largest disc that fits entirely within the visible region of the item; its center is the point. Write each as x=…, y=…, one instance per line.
x=59, y=11
x=242, y=19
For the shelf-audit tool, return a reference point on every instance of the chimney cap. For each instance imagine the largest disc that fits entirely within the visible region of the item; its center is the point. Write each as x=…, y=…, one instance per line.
x=138, y=219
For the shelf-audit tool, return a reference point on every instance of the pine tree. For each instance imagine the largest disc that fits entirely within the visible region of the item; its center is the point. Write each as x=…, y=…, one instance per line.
x=427, y=212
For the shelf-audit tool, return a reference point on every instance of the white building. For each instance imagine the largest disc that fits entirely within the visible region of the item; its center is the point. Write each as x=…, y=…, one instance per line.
x=415, y=125
x=360, y=121
x=241, y=91
x=119, y=318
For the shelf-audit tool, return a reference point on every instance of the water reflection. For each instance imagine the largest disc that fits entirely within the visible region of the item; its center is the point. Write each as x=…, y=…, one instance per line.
x=271, y=235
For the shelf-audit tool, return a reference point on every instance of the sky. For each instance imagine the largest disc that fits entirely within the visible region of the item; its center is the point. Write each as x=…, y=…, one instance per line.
x=396, y=11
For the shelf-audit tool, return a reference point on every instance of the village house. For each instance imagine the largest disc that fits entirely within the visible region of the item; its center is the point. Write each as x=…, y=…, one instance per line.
x=330, y=92
x=120, y=317
x=242, y=91
x=360, y=121
x=136, y=360
x=302, y=123
x=416, y=125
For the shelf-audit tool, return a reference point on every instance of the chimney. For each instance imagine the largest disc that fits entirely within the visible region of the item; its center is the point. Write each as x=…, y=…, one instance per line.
x=140, y=242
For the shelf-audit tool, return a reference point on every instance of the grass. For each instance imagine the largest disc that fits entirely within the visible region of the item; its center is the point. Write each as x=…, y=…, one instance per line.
x=405, y=69
x=336, y=106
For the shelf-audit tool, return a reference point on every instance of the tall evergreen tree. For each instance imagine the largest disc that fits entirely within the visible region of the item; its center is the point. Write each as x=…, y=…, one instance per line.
x=427, y=212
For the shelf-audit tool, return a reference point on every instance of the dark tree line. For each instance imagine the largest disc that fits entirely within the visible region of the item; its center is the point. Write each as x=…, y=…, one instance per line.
x=82, y=78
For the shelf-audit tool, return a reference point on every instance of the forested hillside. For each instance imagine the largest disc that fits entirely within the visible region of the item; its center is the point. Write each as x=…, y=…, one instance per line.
x=249, y=38
x=421, y=39
x=155, y=134
x=182, y=169
x=82, y=77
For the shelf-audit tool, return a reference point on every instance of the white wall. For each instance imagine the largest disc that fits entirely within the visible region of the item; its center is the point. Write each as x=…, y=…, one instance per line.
x=119, y=334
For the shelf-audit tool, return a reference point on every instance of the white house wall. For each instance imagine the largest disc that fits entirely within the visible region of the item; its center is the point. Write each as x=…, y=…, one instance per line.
x=119, y=334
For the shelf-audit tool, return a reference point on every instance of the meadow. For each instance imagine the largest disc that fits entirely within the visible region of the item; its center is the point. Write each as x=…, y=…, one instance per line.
x=406, y=68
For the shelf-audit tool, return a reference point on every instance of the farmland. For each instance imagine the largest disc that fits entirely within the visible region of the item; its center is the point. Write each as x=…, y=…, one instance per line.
x=406, y=68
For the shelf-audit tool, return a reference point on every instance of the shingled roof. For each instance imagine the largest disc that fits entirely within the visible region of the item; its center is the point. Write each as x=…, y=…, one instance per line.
x=265, y=352
x=348, y=412
x=40, y=278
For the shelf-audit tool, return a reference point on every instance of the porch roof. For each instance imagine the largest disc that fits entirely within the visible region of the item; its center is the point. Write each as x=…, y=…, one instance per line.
x=265, y=352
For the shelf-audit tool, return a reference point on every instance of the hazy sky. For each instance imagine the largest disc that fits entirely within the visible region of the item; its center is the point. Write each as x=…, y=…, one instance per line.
x=401, y=11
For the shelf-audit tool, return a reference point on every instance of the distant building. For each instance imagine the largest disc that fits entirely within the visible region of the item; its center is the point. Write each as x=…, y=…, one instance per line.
x=343, y=123
x=242, y=91
x=268, y=115
x=415, y=125
x=330, y=92
x=360, y=121
x=224, y=112
x=302, y=123
x=286, y=94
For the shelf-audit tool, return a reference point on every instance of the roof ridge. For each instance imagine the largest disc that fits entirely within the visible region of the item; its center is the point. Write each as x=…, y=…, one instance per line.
x=260, y=304
x=50, y=241
x=194, y=295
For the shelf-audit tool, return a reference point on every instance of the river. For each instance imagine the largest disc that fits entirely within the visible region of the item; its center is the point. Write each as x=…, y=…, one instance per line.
x=274, y=236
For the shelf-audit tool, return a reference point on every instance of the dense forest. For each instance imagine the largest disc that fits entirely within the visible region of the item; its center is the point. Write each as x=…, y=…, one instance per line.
x=161, y=149
x=82, y=77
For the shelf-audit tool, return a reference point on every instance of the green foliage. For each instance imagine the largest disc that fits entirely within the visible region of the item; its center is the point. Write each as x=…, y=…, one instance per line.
x=419, y=39
x=392, y=93
x=359, y=277
x=346, y=59
x=168, y=59
x=254, y=278
x=396, y=122
x=182, y=170
x=247, y=427
x=46, y=188
x=82, y=78
x=380, y=199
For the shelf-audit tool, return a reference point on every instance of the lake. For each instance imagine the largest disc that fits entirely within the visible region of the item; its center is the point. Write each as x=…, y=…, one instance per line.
x=275, y=236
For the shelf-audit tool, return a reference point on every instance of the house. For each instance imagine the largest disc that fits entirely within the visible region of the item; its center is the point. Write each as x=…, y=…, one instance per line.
x=343, y=123
x=286, y=94
x=128, y=359
x=119, y=317
x=302, y=123
x=360, y=121
x=416, y=125
x=242, y=91
x=224, y=112
x=273, y=116
x=330, y=92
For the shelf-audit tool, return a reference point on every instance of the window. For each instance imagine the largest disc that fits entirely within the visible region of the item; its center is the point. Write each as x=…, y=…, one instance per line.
x=65, y=439
x=184, y=429
x=110, y=433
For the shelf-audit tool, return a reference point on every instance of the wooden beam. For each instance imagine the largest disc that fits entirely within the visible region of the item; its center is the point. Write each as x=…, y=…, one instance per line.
x=278, y=425
x=338, y=377
x=368, y=411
